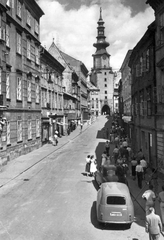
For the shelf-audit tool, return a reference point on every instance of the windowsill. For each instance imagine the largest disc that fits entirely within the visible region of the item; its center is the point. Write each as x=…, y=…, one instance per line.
x=20, y=141
x=36, y=33
x=8, y=99
x=29, y=60
x=19, y=17
x=19, y=54
x=8, y=47
x=37, y=64
x=29, y=139
x=18, y=100
x=29, y=101
x=28, y=25
x=8, y=145
x=37, y=137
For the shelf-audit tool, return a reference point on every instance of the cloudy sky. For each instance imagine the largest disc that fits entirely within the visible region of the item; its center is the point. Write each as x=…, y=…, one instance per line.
x=73, y=25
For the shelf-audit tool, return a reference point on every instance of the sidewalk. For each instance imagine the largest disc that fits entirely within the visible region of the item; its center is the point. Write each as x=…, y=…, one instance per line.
x=18, y=166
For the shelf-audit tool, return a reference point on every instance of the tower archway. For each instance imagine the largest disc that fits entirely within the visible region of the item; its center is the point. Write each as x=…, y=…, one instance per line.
x=105, y=110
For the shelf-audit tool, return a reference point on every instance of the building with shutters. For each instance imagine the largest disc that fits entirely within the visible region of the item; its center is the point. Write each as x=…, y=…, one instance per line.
x=20, y=79
x=143, y=94
x=51, y=91
x=102, y=75
x=158, y=7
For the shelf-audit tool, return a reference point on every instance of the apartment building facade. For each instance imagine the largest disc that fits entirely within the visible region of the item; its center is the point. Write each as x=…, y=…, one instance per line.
x=51, y=90
x=158, y=7
x=19, y=67
x=142, y=64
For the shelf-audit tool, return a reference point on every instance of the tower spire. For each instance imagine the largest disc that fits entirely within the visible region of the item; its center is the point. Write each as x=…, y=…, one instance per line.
x=100, y=13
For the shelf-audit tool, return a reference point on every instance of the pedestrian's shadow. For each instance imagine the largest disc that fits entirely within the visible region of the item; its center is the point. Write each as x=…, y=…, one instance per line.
x=95, y=185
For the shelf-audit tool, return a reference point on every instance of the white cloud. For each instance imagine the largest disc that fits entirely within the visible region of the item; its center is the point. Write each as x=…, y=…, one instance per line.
x=76, y=30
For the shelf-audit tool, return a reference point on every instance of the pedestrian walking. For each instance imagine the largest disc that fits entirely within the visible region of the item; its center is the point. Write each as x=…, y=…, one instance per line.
x=107, y=147
x=153, y=225
x=139, y=172
x=139, y=155
x=103, y=157
x=154, y=180
x=107, y=133
x=87, y=166
x=161, y=203
x=149, y=197
x=81, y=127
x=133, y=168
x=115, y=154
x=93, y=166
x=144, y=165
x=56, y=137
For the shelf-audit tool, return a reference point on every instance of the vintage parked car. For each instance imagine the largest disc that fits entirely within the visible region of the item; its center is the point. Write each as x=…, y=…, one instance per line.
x=114, y=204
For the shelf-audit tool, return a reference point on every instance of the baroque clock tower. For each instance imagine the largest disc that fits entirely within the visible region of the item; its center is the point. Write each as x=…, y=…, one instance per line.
x=102, y=75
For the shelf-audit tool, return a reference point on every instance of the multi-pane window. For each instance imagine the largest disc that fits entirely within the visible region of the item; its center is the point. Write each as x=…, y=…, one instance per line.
x=92, y=102
x=29, y=90
x=37, y=127
x=8, y=85
x=28, y=49
x=19, y=9
x=36, y=55
x=19, y=130
x=19, y=43
x=142, y=103
x=29, y=129
x=8, y=132
x=147, y=60
x=149, y=103
x=19, y=88
x=37, y=93
x=28, y=18
x=7, y=35
x=36, y=27
x=0, y=80
x=97, y=103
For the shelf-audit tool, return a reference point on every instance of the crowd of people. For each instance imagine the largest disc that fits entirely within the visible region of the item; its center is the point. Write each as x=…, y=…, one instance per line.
x=135, y=166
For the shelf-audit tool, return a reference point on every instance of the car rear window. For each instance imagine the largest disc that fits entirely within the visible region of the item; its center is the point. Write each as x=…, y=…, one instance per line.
x=116, y=200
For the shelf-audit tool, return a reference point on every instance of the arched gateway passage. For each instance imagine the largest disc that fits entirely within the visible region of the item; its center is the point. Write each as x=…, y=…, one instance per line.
x=105, y=110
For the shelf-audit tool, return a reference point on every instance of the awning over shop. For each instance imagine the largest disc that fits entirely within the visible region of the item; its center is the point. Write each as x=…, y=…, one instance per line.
x=54, y=116
x=126, y=119
x=45, y=120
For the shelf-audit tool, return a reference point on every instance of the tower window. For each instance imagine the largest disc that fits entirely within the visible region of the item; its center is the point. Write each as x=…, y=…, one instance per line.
x=104, y=73
x=105, y=79
x=105, y=85
x=105, y=97
x=105, y=92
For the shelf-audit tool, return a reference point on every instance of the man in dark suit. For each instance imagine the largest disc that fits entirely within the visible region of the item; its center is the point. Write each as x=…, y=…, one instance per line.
x=153, y=225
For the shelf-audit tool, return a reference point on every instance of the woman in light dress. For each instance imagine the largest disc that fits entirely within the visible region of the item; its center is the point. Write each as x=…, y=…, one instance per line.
x=87, y=166
x=93, y=166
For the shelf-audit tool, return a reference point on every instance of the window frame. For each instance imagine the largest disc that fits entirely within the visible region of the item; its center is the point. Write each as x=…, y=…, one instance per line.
x=19, y=131
x=19, y=88
x=8, y=85
x=19, y=9
x=8, y=133
x=19, y=43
